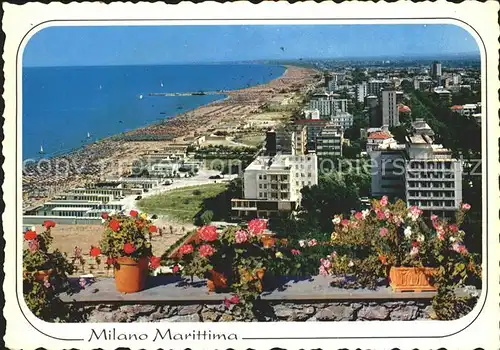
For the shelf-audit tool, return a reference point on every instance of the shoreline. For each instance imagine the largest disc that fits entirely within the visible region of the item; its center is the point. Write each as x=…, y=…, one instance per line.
x=98, y=160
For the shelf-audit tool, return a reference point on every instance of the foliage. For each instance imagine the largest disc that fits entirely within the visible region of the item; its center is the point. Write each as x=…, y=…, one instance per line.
x=45, y=277
x=206, y=217
x=127, y=236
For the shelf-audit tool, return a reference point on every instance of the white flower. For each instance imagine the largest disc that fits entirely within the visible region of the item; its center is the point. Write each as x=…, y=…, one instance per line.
x=452, y=239
x=407, y=232
x=421, y=238
x=336, y=220
x=302, y=243
x=365, y=213
x=351, y=264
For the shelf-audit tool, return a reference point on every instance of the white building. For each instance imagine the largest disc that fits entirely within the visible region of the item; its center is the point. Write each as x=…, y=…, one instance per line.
x=273, y=184
x=390, y=112
x=361, y=91
x=311, y=113
x=376, y=138
x=433, y=176
x=328, y=105
x=375, y=86
x=329, y=142
x=342, y=120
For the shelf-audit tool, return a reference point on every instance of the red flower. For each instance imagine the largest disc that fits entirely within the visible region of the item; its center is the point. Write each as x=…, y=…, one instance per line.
x=154, y=261
x=128, y=248
x=208, y=233
x=30, y=235
x=48, y=224
x=234, y=299
x=104, y=216
x=114, y=225
x=206, y=250
x=257, y=226
x=134, y=213
x=153, y=229
x=383, y=259
x=453, y=228
x=95, y=251
x=186, y=249
x=175, y=269
x=358, y=215
x=415, y=244
x=110, y=261
x=344, y=222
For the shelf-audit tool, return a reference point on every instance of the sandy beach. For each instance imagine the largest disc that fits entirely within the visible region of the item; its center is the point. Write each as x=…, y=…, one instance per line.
x=113, y=156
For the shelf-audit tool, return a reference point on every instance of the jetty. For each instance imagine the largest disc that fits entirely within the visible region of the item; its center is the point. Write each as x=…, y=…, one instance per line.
x=196, y=93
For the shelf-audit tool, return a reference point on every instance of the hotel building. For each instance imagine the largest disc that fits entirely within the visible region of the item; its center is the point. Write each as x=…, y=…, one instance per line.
x=272, y=185
x=329, y=142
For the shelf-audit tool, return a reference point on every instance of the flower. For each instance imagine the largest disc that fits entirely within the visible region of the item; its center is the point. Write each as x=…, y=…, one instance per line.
x=154, y=261
x=186, y=249
x=175, y=268
x=380, y=215
x=234, y=299
x=415, y=244
x=382, y=259
x=153, y=229
x=134, y=213
x=414, y=251
x=295, y=251
x=208, y=233
x=82, y=282
x=434, y=217
x=240, y=236
x=279, y=255
x=144, y=216
x=414, y=213
x=344, y=222
x=46, y=284
x=128, y=248
x=365, y=213
x=359, y=215
x=333, y=255
x=114, y=225
x=323, y=271
x=407, y=232
x=326, y=263
x=351, y=263
x=336, y=220
x=452, y=239
x=453, y=228
x=312, y=243
x=383, y=232
x=420, y=238
x=206, y=250
x=465, y=206
x=30, y=235
x=33, y=245
x=95, y=251
x=257, y=226
x=110, y=261
x=48, y=224
x=384, y=201
x=302, y=243
x=459, y=248
x=104, y=215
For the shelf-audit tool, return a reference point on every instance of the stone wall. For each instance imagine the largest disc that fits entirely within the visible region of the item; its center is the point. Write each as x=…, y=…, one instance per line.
x=404, y=310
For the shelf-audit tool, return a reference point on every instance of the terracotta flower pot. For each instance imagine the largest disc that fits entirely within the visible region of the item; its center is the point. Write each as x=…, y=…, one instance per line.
x=268, y=241
x=412, y=279
x=216, y=281
x=41, y=275
x=131, y=275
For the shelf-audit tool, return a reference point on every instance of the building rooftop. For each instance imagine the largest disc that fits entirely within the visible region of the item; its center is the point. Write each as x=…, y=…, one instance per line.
x=71, y=209
x=380, y=135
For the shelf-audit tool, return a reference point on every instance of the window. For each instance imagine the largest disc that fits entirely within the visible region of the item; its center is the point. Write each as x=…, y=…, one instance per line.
x=260, y=185
x=260, y=177
x=309, y=175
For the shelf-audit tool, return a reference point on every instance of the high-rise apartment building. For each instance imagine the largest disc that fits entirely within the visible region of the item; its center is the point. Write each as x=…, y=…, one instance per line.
x=436, y=70
x=375, y=87
x=361, y=91
x=390, y=112
x=299, y=140
x=314, y=127
x=328, y=105
x=329, y=142
x=272, y=184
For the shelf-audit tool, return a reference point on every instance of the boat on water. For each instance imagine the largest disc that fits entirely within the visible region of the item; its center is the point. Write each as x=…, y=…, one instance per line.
x=161, y=84
x=88, y=135
x=199, y=93
x=140, y=97
x=41, y=150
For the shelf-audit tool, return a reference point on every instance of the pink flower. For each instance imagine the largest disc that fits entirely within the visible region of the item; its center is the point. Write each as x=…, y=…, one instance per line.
x=302, y=243
x=312, y=243
x=414, y=251
x=380, y=215
x=383, y=232
x=33, y=245
x=359, y=215
x=46, y=284
x=384, y=201
x=208, y=233
x=295, y=251
x=465, y=206
x=257, y=226
x=240, y=236
x=186, y=249
x=434, y=217
x=175, y=268
x=206, y=250
x=323, y=271
x=344, y=222
x=326, y=263
x=333, y=255
x=453, y=228
x=459, y=248
x=234, y=299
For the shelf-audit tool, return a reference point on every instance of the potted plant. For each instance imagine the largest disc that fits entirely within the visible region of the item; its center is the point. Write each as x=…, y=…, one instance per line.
x=126, y=244
x=45, y=276
x=400, y=240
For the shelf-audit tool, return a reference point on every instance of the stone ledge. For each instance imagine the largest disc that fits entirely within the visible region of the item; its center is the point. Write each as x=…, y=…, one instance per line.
x=177, y=290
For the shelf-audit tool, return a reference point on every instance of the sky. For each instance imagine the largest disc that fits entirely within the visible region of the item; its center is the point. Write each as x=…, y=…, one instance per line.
x=143, y=45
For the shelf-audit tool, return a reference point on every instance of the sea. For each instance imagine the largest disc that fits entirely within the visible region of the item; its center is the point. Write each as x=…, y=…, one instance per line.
x=65, y=108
